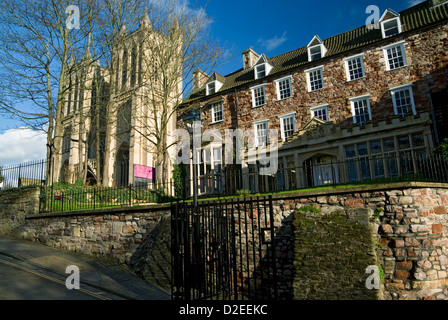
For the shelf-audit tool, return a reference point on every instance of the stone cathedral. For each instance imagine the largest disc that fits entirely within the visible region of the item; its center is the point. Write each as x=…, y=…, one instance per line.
x=108, y=115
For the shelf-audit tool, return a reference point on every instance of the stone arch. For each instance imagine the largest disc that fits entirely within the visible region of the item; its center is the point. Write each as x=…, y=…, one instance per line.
x=321, y=169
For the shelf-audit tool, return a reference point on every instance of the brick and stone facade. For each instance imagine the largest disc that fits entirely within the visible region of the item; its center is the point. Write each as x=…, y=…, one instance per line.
x=316, y=141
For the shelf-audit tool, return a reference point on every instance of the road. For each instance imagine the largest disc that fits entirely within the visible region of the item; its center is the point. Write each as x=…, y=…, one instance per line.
x=19, y=281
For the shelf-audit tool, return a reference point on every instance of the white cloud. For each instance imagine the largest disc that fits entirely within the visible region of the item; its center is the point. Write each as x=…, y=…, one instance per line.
x=22, y=145
x=273, y=43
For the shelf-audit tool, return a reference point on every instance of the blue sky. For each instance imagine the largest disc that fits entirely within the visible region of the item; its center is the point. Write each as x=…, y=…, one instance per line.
x=274, y=29
x=265, y=26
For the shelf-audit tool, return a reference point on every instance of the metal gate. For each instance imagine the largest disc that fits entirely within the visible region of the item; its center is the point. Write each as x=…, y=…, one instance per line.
x=223, y=250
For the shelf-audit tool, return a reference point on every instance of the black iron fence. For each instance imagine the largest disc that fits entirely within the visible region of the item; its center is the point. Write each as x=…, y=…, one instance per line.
x=356, y=171
x=224, y=250
x=229, y=181
x=56, y=199
x=25, y=174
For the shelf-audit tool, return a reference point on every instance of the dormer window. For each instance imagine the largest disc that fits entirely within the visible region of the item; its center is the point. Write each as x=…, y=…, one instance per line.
x=213, y=84
x=262, y=67
x=211, y=88
x=316, y=49
x=391, y=27
x=260, y=71
x=390, y=23
x=315, y=53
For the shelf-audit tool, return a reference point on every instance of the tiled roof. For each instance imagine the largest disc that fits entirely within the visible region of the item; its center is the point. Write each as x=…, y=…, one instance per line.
x=414, y=18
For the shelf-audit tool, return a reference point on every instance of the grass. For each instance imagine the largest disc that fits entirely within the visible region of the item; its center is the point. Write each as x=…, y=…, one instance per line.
x=78, y=197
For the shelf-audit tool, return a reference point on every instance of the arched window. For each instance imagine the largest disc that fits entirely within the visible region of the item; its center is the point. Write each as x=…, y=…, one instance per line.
x=133, y=66
x=124, y=75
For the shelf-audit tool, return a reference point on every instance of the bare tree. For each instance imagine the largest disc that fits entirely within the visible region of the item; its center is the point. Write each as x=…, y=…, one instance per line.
x=180, y=44
x=34, y=49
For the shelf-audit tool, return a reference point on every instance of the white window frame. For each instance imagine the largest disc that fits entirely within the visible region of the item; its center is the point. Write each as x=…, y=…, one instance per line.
x=256, y=124
x=254, y=105
x=282, y=123
x=357, y=99
x=393, y=92
x=213, y=106
x=217, y=84
x=314, y=110
x=383, y=30
x=386, y=56
x=277, y=83
x=323, y=51
x=308, y=73
x=347, y=69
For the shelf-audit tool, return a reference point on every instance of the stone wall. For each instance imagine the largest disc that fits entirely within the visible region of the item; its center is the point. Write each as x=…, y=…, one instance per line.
x=323, y=254
x=404, y=230
x=113, y=234
x=15, y=205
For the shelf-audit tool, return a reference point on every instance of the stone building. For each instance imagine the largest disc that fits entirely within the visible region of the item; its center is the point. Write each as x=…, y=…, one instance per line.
x=108, y=114
x=374, y=92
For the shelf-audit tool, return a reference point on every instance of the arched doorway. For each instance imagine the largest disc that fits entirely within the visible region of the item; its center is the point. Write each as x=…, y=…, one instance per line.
x=122, y=166
x=321, y=170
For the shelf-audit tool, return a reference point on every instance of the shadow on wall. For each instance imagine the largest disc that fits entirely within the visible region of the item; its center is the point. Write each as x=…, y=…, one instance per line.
x=152, y=259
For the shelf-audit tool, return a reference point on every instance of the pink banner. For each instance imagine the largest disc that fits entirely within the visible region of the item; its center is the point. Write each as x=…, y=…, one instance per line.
x=144, y=172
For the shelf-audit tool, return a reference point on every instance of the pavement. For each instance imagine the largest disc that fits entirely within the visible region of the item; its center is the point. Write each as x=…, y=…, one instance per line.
x=101, y=274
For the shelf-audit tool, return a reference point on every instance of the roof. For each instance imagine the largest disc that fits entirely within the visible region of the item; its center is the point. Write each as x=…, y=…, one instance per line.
x=412, y=19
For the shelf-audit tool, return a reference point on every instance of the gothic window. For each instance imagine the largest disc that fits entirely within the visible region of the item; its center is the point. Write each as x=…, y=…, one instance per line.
x=124, y=74
x=133, y=66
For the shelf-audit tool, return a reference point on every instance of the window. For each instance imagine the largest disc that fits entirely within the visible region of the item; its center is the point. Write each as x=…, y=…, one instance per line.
x=260, y=71
x=315, y=53
x=284, y=88
x=320, y=112
x=261, y=133
x=391, y=27
x=217, y=112
x=315, y=79
x=389, y=157
x=361, y=110
x=355, y=68
x=124, y=72
x=262, y=67
x=403, y=100
x=217, y=159
x=258, y=96
x=287, y=125
x=395, y=56
x=211, y=88
x=316, y=49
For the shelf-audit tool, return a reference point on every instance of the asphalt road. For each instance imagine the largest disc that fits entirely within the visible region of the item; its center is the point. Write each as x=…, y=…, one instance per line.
x=19, y=281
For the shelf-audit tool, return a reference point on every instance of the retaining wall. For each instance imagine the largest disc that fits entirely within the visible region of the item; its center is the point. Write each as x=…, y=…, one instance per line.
x=401, y=227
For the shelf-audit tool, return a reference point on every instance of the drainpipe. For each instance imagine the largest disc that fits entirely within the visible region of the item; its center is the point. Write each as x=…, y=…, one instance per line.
x=433, y=115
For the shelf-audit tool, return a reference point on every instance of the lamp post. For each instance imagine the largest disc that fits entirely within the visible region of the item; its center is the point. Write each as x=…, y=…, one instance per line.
x=193, y=123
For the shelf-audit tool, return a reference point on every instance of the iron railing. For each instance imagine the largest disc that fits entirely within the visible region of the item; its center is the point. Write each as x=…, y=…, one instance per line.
x=224, y=250
x=55, y=199
x=356, y=171
x=32, y=173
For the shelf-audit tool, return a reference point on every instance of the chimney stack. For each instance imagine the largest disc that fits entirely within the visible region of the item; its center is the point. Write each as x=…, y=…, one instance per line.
x=199, y=79
x=249, y=58
x=435, y=3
